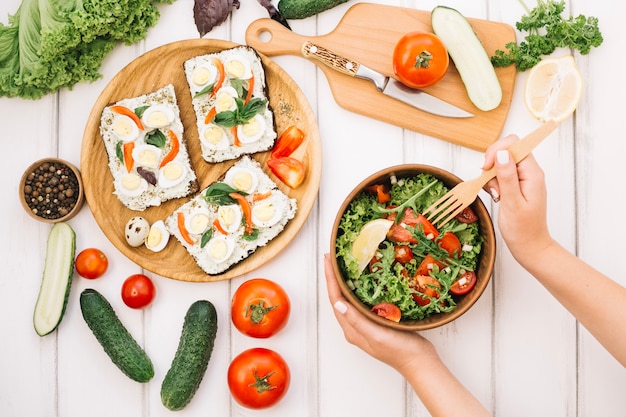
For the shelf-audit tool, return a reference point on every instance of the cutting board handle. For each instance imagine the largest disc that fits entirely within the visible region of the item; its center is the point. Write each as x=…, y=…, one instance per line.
x=271, y=38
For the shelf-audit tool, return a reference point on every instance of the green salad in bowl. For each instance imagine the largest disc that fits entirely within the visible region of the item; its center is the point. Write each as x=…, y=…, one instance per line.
x=395, y=265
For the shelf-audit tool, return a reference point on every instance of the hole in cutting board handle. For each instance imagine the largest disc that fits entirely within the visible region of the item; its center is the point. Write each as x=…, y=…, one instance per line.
x=264, y=36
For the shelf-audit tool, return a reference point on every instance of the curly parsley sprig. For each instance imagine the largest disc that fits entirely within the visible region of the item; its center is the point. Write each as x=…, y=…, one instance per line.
x=547, y=30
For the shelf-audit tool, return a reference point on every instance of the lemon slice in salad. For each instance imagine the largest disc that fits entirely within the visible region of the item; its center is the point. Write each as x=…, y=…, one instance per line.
x=553, y=88
x=366, y=243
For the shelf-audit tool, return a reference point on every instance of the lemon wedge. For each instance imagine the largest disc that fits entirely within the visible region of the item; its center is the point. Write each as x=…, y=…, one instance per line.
x=366, y=243
x=553, y=88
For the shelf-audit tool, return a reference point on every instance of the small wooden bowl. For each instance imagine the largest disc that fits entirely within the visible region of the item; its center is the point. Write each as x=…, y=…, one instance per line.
x=52, y=207
x=484, y=267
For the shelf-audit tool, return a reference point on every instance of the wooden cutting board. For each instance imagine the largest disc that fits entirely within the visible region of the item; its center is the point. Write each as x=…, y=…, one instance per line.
x=368, y=34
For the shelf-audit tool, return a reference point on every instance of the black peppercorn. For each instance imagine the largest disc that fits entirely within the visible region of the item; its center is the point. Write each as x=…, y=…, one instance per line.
x=51, y=190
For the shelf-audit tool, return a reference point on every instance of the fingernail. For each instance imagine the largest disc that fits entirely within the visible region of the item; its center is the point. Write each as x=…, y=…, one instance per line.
x=495, y=196
x=340, y=307
x=502, y=156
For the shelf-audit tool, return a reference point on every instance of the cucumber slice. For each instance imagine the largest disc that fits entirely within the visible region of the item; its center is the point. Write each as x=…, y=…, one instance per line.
x=57, y=279
x=469, y=57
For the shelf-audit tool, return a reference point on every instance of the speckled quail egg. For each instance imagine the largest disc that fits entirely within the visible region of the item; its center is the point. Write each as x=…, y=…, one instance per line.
x=124, y=128
x=242, y=179
x=252, y=130
x=158, y=116
x=157, y=237
x=214, y=137
x=237, y=66
x=172, y=174
x=220, y=247
x=136, y=231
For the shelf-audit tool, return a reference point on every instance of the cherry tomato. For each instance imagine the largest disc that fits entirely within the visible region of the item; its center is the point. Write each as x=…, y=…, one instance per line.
x=467, y=216
x=464, y=284
x=258, y=378
x=427, y=264
x=138, y=291
x=388, y=311
x=398, y=233
x=288, y=142
x=420, y=59
x=381, y=191
x=404, y=254
x=451, y=243
x=289, y=170
x=427, y=285
x=260, y=308
x=91, y=263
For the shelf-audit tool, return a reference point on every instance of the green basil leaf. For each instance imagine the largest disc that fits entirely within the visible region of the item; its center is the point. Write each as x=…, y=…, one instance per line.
x=206, y=236
x=119, y=151
x=156, y=138
x=206, y=90
x=218, y=193
x=139, y=111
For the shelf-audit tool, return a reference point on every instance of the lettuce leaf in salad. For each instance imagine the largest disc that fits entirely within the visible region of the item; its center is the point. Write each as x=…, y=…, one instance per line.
x=389, y=283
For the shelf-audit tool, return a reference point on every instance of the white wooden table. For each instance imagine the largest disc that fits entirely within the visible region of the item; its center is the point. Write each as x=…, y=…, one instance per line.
x=517, y=349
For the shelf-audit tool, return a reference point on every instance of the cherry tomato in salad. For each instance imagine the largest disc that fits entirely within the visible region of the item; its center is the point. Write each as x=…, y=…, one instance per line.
x=388, y=311
x=381, y=191
x=427, y=285
x=467, y=215
x=451, y=243
x=289, y=170
x=138, y=291
x=427, y=265
x=400, y=234
x=91, y=263
x=260, y=308
x=258, y=378
x=464, y=283
x=404, y=254
x=420, y=59
x=288, y=142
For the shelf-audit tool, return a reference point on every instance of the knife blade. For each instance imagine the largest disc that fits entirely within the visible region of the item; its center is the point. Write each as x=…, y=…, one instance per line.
x=386, y=85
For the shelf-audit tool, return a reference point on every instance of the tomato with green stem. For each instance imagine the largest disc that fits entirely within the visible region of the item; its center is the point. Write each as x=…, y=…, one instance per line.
x=420, y=59
x=258, y=378
x=260, y=308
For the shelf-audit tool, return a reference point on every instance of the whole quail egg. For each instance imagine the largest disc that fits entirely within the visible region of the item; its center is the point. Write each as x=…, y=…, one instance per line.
x=136, y=231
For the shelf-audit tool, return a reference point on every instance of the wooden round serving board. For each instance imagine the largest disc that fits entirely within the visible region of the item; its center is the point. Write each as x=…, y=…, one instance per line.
x=151, y=71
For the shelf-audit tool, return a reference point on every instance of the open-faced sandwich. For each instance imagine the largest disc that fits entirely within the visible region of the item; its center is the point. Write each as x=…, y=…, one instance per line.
x=230, y=100
x=147, y=153
x=233, y=217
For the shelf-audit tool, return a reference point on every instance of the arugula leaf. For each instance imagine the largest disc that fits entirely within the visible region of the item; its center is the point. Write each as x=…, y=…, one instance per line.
x=547, y=30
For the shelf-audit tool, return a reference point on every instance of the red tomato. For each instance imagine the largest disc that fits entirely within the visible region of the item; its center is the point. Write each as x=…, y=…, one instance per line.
x=260, y=308
x=427, y=264
x=381, y=191
x=258, y=378
x=388, y=311
x=404, y=254
x=467, y=215
x=464, y=284
x=91, y=263
x=138, y=291
x=289, y=170
x=398, y=233
x=451, y=243
x=288, y=142
x=420, y=59
x=427, y=285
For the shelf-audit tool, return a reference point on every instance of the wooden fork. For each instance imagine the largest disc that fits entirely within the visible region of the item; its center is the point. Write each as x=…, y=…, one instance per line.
x=464, y=193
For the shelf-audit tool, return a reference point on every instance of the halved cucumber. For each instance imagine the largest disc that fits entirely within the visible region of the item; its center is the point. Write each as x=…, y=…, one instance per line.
x=469, y=57
x=57, y=278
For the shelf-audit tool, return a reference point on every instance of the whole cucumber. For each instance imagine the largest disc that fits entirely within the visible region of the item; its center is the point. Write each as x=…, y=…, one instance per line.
x=115, y=339
x=192, y=356
x=300, y=9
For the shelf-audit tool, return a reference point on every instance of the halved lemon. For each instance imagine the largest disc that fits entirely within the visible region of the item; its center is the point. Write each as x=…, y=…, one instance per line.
x=553, y=88
x=366, y=243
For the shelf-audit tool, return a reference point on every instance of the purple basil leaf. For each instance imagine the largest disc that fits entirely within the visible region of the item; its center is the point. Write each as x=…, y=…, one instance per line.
x=274, y=13
x=147, y=175
x=210, y=13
